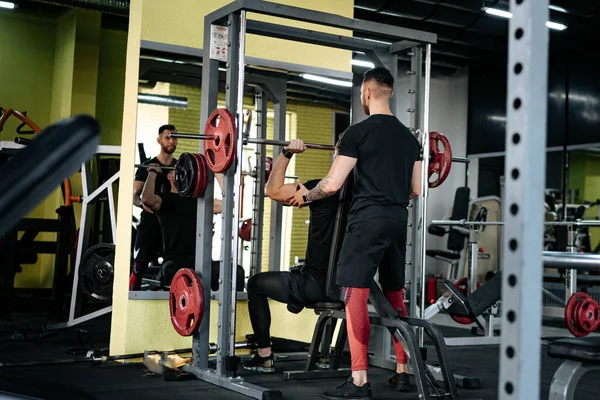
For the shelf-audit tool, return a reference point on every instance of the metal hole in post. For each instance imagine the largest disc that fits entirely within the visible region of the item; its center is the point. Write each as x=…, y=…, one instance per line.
x=518, y=68
x=516, y=138
x=514, y=209
x=517, y=103
x=519, y=2
x=509, y=387
x=519, y=33
x=510, y=352
x=515, y=173
x=511, y=316
x=513, y=244
x=512, y=280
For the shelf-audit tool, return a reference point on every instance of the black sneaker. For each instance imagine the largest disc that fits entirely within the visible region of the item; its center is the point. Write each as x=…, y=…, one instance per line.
x=256, y=363
x=400, y=381
x=350, y=391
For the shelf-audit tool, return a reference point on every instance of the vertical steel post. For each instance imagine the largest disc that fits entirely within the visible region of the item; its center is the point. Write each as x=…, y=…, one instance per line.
x=228, y=237
x=425, y=186
x=522, y=269
x=416, y=123
x=204, y=223
x=258, y=205
x=276, y=231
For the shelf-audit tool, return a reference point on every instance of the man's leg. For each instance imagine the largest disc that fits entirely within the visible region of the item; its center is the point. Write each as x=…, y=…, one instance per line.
x=147, y=244
x=359, y=331
x=261, y=287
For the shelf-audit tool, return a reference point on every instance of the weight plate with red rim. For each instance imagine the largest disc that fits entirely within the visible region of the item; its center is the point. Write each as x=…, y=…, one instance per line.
x=572, y=314
x=440, y=162
x=204, y=164
x=186, y=302
x=199, y=176
x=220, y=151
x=245, y=229
x=186, y=171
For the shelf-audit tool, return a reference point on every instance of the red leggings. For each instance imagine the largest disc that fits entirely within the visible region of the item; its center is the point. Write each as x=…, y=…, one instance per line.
x=359, y=328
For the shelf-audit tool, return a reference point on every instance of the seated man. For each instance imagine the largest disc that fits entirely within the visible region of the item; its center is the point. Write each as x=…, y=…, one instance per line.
x=296, y=288
x=177, y=217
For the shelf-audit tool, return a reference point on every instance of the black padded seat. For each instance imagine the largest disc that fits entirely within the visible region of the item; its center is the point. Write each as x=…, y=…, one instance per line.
x=584, y=349
x=444, y=254
x=326, y=305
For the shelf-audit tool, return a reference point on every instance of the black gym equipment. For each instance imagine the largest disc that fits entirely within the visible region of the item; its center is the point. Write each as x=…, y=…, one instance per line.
x=28, y=177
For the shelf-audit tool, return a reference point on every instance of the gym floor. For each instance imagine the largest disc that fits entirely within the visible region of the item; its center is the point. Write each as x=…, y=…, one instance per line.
x=115, y=380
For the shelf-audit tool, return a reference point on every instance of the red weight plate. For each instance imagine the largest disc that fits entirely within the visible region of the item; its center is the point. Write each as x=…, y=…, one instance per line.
x=199, y=176
x=571, y=317
x=220, y=152
x=268, y=167
x=205, y=172
x=245, y=229
x=186, y=302
x=440, y=162
x=587, y=315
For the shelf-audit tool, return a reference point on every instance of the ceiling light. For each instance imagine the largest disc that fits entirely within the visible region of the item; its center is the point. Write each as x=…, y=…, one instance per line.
x=323, y=79
x=160, y=100
x=508, y=15
x=361, y=63
x=555, y=25
x=7, y=4
x=557, y=8
x=498, y=13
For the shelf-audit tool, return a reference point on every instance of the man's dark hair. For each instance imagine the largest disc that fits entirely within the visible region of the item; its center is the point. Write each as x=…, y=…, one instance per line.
x=166, y=127
x=381, y=75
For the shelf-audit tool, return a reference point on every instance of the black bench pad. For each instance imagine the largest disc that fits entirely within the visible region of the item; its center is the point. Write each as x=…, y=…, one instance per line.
x=584, y=349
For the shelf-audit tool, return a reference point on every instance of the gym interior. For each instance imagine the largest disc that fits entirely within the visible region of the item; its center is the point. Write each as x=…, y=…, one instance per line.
x=503, y=248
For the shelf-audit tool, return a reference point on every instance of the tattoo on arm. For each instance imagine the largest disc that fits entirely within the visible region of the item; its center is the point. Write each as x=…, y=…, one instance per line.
x=319, y=192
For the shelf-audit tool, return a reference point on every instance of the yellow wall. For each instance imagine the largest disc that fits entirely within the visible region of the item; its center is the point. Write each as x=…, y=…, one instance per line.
x=50, y=68
x=174, y=22
x=585, y=176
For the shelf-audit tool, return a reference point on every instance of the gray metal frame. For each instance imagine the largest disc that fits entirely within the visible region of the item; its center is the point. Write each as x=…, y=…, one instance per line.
x=566, y=378
x=520, y=350
x=234, y=15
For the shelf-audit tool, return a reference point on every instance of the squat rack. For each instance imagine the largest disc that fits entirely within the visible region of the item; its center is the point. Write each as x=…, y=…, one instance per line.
x=233, y=16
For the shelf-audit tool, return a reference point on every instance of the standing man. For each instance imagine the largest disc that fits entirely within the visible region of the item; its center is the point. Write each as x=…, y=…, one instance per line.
x=149, y=242
x=385, y=157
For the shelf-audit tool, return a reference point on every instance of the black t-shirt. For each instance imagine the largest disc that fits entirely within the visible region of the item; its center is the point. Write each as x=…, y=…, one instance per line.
x=386, y=152
x=162, y=184
x=320, y=232
x=177, y=216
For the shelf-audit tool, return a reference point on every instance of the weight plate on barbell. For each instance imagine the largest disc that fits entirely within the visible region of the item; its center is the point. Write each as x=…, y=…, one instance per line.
x=96, y=272
x=220, y=151
x=186, y=172
x=440, y=162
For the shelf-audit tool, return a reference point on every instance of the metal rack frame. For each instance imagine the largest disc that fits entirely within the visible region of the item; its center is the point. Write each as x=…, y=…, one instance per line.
x=233, y=16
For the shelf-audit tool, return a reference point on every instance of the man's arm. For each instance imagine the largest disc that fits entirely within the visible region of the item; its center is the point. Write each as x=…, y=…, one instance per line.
x=276, y=188
x=328, y=186
x=218, y=206
x=149, y=198
x=415, y=184
x=138, y=186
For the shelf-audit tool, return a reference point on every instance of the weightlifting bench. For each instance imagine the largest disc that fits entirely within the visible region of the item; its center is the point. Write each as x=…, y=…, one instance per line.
x=581, y=355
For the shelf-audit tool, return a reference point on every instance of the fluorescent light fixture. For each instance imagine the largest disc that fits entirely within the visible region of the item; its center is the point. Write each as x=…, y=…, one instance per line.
x=7, y=4
x=377, y=41
x=160, y=100
x=323, y=79
x=557, y=8
x=498, y=13
x=508, y=15
x=555, y=25
x=361, y=63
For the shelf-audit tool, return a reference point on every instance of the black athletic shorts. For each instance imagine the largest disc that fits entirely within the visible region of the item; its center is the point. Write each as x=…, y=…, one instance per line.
x=148, y=242
x=303, y=287
x=368, y=244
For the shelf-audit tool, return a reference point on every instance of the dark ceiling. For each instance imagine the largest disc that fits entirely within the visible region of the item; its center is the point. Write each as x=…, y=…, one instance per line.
x=466, y=34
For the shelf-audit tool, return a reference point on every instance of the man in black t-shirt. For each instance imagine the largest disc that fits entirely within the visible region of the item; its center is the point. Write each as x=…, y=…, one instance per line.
x=177, y=219
x=385, y=157
x=296, y=288
x=148, y=242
